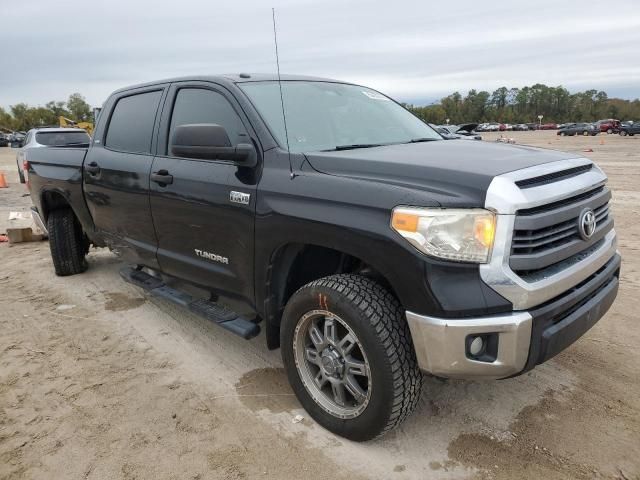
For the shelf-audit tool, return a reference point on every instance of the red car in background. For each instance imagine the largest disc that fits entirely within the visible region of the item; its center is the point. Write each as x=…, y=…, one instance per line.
x=610, y=125
x=549, y=126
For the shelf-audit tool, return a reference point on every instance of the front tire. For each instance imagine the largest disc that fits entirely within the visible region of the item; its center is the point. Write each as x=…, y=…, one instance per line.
x=67, y=242
x=349, y=357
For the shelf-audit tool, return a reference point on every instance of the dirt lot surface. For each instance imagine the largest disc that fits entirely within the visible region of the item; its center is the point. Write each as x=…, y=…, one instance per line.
x=98, y=380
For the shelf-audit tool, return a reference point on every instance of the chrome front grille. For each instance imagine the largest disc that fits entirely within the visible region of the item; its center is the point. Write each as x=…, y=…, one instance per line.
x=548, y=234
x=538, y=252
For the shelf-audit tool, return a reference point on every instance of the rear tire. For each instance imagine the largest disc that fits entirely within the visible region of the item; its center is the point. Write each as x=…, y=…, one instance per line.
x=623, y=133
x=609, y=131
x=67, y=242
x=358, y=316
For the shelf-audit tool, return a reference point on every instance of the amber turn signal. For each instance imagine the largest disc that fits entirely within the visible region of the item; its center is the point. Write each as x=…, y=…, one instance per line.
x=405, y=222
x=484, y=230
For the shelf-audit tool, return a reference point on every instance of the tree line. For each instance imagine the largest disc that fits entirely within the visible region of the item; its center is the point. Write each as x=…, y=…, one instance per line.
x=22, y=117
x=507, y=105
x=523, y=105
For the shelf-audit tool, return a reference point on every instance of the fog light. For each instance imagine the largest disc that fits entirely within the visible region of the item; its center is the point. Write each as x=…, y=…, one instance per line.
x=476, y=346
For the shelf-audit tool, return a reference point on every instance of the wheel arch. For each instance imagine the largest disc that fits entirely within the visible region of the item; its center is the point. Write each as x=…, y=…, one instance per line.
x=53, y=200
x=293, y=265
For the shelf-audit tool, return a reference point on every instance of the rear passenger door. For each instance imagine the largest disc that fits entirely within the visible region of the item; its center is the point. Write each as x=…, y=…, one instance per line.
x=116, y=174
x=204, y=236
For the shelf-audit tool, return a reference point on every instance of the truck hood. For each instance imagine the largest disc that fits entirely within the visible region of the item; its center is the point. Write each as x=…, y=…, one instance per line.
x=452, y=172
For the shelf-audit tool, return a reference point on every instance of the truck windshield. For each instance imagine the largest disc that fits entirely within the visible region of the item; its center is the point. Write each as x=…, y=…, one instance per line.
x=63, y=139
x=334, y=116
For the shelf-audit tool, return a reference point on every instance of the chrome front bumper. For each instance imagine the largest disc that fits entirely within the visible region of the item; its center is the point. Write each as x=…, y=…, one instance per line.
x=440, y=344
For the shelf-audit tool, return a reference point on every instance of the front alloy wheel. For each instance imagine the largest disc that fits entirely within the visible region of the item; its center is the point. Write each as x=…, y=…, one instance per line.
x=332, y=364
x=349, y=357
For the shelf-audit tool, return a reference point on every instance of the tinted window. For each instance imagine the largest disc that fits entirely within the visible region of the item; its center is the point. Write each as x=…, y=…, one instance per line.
x=131, y=125
x=62, y=139
x=197, y=105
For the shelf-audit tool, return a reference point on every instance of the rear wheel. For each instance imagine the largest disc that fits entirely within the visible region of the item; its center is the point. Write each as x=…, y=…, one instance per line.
x=348, y=353
x=585, y=133
x=67, y=242
x=623, y=133
x=609, y=131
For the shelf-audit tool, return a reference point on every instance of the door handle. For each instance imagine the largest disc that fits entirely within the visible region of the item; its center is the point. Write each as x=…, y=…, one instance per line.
x=162, y=177
x=93, y=168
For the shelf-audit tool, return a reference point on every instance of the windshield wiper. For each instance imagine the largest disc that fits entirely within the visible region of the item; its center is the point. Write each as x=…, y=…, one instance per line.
x=356, y=145
x=424, y=139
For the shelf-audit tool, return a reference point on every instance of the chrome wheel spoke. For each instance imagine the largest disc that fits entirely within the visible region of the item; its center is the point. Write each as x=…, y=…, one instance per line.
x=338, y=393
x=320, y=379
x=330, y=331
x=356, y=367
x=316, y=337
x=311, y=354
x=354, y=388
x=347, y=344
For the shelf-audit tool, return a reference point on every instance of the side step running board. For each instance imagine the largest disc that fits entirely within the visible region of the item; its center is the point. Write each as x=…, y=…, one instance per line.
x=211, y=311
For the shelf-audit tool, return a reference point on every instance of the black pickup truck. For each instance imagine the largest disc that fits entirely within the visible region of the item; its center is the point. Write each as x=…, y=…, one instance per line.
x=367, y=248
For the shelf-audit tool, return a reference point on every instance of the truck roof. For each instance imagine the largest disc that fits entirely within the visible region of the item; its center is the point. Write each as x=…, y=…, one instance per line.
x=230, y=78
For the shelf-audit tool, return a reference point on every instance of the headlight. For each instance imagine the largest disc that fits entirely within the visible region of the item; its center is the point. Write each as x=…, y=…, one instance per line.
x=464, y=235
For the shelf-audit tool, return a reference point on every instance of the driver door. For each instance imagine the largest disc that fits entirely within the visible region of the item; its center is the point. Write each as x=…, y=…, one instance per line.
x=205, y=235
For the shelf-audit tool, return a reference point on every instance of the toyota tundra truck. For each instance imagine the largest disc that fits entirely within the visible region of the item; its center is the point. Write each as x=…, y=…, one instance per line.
x=367, y=248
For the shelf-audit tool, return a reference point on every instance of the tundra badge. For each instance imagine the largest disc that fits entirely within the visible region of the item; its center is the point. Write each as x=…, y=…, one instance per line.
x=239, y=197
x=212, y=256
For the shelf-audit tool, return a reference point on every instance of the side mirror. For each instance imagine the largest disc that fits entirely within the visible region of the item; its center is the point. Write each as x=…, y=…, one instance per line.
x=209, y=141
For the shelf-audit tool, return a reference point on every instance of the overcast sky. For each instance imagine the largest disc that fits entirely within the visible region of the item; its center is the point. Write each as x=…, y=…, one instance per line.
x=416, y=50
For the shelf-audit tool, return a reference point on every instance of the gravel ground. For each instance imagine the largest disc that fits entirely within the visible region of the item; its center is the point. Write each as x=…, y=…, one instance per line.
x=98, y=380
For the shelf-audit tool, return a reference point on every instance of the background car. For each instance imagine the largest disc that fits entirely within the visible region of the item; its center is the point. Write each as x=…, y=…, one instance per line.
x=610, y=125
x=468, y=130
x=577, y=129
x=4, y=139
x=49, y=137
x=448, y=134
x=16, y=139
x=549, y=126
x=630, y=129
x=520, y=127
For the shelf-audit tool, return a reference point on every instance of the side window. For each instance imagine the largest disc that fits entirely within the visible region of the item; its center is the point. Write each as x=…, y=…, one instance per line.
x=198, y=105
x=131, y=125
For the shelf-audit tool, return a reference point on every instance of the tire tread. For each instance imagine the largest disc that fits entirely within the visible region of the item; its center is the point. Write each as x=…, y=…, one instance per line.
x=66, y=243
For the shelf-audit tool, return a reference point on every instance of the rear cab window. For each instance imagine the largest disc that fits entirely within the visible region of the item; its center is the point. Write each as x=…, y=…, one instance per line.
x=131, y=125
x=62, y=139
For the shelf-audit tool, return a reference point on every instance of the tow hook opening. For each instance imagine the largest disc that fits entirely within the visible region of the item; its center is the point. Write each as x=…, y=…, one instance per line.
x=482, y=347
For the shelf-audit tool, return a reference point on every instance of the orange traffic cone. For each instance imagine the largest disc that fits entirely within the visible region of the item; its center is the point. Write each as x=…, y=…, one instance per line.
x=3, y=181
